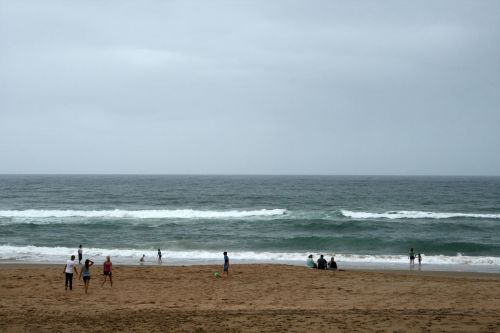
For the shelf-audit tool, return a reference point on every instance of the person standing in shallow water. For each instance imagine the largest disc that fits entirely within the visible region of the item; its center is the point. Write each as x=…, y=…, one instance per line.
x=68, y=271
x=159, y=256
x=419, y=256
x=226, y=264
x=411, y=255
x=80, y=254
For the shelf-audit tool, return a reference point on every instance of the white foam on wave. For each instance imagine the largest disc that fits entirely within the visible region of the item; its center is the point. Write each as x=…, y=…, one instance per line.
x=411, y=214
x=142, y=214
x=127, y=256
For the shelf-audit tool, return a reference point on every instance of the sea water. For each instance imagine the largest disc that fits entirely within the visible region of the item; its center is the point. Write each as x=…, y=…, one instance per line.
x=364, y=221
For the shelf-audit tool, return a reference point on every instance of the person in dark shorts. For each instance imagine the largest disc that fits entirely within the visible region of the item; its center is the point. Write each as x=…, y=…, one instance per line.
x=159, y=256
x=80, y=254
x=85, y=272
x=322, y=262
x=411, y=255
x=226, y=263
x=107, y=268
x=68, y=271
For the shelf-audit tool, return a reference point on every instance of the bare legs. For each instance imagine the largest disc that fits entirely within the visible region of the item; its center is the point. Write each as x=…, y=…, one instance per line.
x=110, y=280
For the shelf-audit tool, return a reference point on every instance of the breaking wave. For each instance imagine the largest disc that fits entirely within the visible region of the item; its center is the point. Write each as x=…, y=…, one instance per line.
x=43, y=254
x=411, y=214
x=142, y=214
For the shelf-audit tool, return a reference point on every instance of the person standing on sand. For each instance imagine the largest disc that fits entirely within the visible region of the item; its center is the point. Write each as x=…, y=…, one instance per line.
x=159, y=256
x=226, y=264
x=68, y=271
x=85, y=271
x=107, y=267
x=80, y=254
x=411, y=255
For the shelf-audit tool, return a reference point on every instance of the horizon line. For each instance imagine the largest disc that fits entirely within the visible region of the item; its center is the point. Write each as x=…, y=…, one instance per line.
x=248, y=174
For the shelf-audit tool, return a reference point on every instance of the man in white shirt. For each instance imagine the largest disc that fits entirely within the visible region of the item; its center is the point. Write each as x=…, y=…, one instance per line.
x=68, y=270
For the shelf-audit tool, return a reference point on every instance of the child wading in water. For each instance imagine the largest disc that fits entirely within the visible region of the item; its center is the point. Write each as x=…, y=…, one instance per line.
x=226, y=264
x=86, y=274
x=107, y=267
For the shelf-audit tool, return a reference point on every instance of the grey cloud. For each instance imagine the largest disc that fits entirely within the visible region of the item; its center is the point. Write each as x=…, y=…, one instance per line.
x=250, y=87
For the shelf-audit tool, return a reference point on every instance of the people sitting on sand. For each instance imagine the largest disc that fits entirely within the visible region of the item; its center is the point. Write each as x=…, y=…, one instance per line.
x=332, y=264
x=310, y=262
x=322, y=264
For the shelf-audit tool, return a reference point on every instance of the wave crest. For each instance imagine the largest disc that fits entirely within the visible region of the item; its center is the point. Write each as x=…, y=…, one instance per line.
x=411, y=214
x=142, y=214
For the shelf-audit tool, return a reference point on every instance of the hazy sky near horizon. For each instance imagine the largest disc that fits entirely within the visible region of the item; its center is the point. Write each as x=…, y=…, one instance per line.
x=250, y=87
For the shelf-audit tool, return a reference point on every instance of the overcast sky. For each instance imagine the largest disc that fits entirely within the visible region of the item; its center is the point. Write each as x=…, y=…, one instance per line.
x=250, y=87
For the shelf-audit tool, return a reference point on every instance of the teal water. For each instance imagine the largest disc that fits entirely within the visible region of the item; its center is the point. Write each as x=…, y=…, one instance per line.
x=451, y=220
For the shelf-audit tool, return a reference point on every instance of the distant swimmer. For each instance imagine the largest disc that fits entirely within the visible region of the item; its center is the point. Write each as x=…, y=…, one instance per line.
x=143, y=258
x=107, y=271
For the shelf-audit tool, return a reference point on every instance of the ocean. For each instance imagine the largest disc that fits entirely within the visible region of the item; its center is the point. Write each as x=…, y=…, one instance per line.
x=364, y=221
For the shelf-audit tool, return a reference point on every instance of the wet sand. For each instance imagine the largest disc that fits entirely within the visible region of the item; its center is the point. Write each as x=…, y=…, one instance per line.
x=255, y=298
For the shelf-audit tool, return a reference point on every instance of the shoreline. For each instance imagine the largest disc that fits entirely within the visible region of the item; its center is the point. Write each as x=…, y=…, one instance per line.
x=147, y=266
x=448, y=268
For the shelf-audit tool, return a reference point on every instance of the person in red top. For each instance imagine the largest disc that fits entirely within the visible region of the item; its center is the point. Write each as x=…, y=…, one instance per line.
x=107, y=267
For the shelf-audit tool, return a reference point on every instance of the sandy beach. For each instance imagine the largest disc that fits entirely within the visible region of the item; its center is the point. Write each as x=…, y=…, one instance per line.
x=255, y=298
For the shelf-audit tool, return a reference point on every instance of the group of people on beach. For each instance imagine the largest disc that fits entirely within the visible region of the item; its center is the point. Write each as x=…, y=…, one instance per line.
x=322, y=263
x=71, y=271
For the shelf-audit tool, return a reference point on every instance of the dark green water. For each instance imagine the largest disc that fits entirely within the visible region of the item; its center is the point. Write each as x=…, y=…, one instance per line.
x=360, y=219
